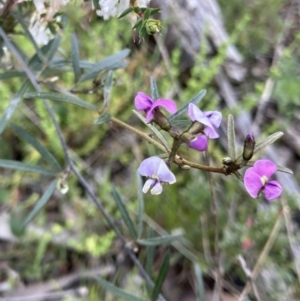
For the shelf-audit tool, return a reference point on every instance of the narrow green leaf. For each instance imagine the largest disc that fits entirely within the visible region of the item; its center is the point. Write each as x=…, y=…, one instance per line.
x=149, y=260
x=167, y=239
x=28, y=34
x=11, y=74
x=138, y=24
x=54, y=46
x=150, y=253
x=181, y=123
x=199, y=282
x=41, y=202
x=61, y=97
x=107, y=88
x=141, y=207
x=147, y=14
x=267, y=141
x=75, y=57
x=161, y=276
x=156, y=132
x=125, y=12
x=16, y=165
x=195, y=100
x=102, y=118
x=124, y=213
x=231, y=138
x=154, y=11
x=9, y=111
x=284, y=169
x=46, y=155
x=117, y=291
x=112, y=62
x=154, y=90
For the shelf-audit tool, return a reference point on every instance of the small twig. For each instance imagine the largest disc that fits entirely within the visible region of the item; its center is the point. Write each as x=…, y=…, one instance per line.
x=291, y=237
x=248, y=273
x=216, y=231
x=263, y=255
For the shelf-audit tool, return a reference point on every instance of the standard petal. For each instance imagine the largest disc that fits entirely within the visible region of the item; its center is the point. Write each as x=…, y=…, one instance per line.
x=200, y=143
x=157, y=189
x=164, y=174
x=143, y=102
x=265, y=167
x=272, y=190
x=149, y=166
x=148, y=184
x=252, y=182
x=167, y=104
x=196, y=114
x=214, y=117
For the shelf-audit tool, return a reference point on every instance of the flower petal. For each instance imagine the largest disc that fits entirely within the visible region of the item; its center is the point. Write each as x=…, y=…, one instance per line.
x=164, y=173
x=157, y=189
x=167, y=104
x=148, y=184
x=252, y=182
x=272, y=190
x=200, y=143
x=196, y=114
x=214, y=117
x=149, y=166
x=143, y=102
x=265, y=167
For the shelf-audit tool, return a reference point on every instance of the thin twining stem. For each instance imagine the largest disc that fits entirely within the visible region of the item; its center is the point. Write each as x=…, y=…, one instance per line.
x=263, y=255
x=71, y=165
x=177, y=159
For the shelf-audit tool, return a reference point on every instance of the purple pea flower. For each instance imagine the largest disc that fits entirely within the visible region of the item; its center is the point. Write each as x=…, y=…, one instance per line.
x=143, y=102
x=157, y=170
x=200, y=143
x=211, y=120
x=256, y=179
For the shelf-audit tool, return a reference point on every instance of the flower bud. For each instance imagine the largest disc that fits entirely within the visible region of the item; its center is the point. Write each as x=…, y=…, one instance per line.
x=153, y=26
x=249, y=146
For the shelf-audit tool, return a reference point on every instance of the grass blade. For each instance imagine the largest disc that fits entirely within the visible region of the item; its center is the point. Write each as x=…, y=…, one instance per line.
x=75, y=57
x=167, y=239
x=117, y=291
x=61, y=97
x=39, y=147
x=124, y=213
x=231, y=138
x=141, y=207
x=199, y=283
x=16, y=165
x=161, y=276
x=41, y=202
x=195, y=100
x=54, y=46
x=9, y=111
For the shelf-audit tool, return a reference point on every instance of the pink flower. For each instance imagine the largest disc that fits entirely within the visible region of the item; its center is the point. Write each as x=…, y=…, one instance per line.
x=211, y=120
x=143, y=102
x=256, y=179
x=157, y=170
